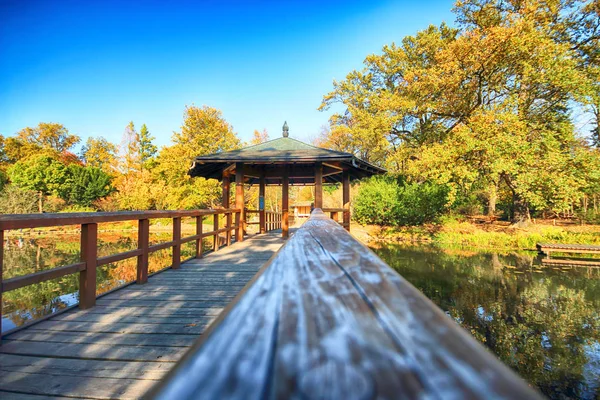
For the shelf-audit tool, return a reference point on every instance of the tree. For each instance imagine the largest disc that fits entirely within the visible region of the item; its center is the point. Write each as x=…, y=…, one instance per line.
x=204, y=131
x=100, y=153
x=130, y=150
x=259, y=137
x=49, y=135
x=86, y=185
x=487, y=103
x=41, y=174
x=147, y=149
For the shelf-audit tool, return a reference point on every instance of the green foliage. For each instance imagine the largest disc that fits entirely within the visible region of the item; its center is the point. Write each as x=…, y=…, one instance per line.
x=486, y=104
x=147, y=149
x=86, y=185
x=392, y=201
x=41, y=174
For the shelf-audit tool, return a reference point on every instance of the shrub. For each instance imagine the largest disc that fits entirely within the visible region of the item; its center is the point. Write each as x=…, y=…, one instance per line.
x=14, y=200
x=392, y=201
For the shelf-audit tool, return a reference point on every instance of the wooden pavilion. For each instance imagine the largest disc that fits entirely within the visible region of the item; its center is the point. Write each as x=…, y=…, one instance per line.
x=283, y=161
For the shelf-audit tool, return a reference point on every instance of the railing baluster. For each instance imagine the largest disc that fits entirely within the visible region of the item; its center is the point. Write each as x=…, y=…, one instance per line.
x=199, y=248
x=216, y=235
x=228, y=224
x=89, y=255
x=143, y=244
x=177, y=245
x=238, y=218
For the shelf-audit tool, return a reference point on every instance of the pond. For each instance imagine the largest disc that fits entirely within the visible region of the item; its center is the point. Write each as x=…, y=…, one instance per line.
x=543, y=322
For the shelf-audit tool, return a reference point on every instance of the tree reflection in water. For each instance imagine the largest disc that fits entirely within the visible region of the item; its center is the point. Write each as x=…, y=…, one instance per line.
x=32, y=254
x=541, y=321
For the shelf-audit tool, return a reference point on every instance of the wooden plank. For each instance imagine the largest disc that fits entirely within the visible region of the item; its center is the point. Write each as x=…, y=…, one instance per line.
x=83, y=368
x=23, y=396
x=160, y=310
x=94, y=351
x=41, y=276
x=173, y=296
x=138, y=319
x=111, y=339
x=118, y=257
x=96, y=388
x=119, y=327
x=151, y=303
x=328, y=319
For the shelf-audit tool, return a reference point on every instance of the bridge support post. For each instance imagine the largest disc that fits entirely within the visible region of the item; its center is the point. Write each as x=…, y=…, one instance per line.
x=89, y=255
x=318, y=185
x=346, y=199
x=239, y=201
x=285, y=203
x=1, y=271
x=261, y=203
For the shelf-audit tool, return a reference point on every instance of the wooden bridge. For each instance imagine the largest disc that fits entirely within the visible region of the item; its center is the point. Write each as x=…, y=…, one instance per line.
x=322, y=317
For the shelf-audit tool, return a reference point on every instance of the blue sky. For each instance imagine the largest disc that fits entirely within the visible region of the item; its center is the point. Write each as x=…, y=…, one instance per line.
x=96, y=65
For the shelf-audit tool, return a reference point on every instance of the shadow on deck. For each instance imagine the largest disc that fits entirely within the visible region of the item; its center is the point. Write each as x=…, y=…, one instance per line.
x=124, y=345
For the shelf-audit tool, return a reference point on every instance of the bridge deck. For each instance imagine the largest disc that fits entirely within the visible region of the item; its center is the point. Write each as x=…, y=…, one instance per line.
x=125, y=344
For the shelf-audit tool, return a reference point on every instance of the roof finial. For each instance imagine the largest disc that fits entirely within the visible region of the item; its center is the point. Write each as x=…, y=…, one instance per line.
x=286, y=129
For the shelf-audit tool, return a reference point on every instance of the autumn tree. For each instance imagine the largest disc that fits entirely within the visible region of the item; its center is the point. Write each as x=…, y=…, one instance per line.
x=204, y=131
x=100, y=153
x=259, y=137
x=147, y=149
x=49, y=135
x=487, y=103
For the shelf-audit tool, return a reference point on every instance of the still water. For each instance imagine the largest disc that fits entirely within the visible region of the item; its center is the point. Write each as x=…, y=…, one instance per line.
x=541, y=321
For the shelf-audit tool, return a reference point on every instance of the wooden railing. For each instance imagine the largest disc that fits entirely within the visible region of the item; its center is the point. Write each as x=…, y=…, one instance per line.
x=334, y=214
x=327, y=318
x=272, y=219
x=89, y=244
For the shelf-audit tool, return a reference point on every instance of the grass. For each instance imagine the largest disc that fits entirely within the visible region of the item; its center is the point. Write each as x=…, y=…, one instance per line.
x=463, y=232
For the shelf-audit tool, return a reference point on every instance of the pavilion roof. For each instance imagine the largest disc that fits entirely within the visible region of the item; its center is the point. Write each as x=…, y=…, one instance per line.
x=283, y=151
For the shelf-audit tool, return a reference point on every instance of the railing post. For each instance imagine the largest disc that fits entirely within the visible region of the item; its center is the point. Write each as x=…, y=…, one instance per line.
x=228, y=224
x=89, y=255
x=143, y=244
x=199, y=248
x=177, y=246
x=1, y=271
x=216, y=235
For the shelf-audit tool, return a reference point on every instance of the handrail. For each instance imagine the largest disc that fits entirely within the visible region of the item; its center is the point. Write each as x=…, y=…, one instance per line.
x=272, y=219
x=89, y=244
x=327, y=318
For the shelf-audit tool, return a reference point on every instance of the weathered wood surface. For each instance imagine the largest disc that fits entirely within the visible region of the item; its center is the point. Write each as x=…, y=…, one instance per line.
x=124, y=345
x=547, y=248
x=327, y=319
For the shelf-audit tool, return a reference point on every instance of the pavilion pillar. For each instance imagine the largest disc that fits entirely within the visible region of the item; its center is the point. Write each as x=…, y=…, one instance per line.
x=261, y=203
x=239, y=201
x=346, y=198
x=285, y=203
x=319, y=185
x=226, y=190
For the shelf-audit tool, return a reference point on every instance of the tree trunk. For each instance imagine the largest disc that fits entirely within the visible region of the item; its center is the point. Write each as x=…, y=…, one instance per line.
x=492, y=198
x=40, y=202
x=519, y=210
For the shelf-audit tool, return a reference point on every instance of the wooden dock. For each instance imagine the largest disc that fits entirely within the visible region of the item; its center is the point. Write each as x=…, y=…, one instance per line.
x=547, y=248
x=124, y=345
